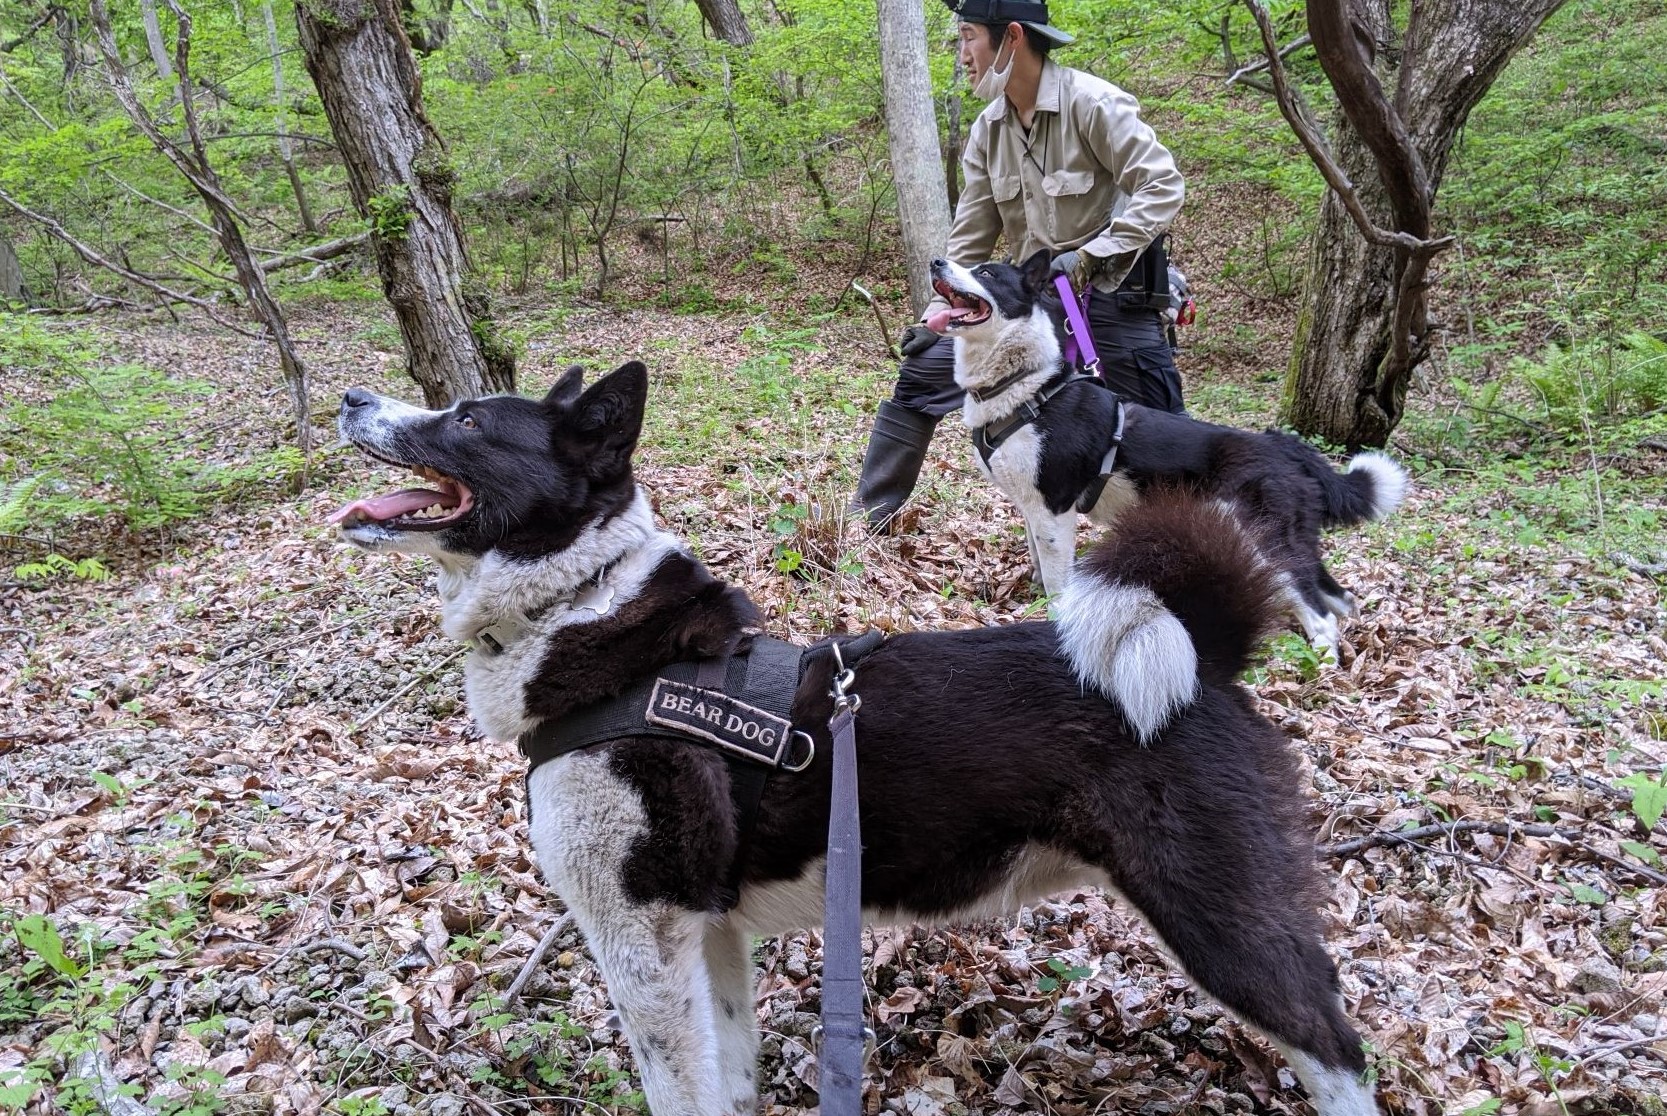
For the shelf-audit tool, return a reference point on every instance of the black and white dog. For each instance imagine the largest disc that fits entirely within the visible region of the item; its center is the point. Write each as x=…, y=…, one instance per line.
x=996, y=765
x=1006, y=321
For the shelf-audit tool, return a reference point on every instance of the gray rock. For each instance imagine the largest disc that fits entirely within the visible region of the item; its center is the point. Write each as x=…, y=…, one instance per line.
x=1598, y=974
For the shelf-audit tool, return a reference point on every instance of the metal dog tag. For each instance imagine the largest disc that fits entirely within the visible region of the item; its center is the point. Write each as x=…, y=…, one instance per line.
x=597, y=598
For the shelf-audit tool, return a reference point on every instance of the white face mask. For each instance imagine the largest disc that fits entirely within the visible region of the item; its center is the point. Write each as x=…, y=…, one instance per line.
x=992, y=83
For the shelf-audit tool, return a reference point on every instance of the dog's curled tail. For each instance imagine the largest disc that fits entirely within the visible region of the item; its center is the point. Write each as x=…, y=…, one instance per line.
x=1177, y=592
x=1371, y=487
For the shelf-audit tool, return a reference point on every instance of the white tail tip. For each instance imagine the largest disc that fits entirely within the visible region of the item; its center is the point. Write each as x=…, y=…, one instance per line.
x=1389, y=481
x=1123, y=642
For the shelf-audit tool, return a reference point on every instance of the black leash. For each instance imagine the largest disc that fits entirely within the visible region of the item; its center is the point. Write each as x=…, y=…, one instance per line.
x=844, y=1030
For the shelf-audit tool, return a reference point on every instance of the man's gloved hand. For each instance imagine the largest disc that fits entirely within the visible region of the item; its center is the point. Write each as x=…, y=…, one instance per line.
x=1078, y=265
x=916, y=340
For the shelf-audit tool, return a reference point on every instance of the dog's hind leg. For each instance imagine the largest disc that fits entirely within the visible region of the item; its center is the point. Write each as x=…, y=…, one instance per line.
x=729, y=964
x=1235, y=925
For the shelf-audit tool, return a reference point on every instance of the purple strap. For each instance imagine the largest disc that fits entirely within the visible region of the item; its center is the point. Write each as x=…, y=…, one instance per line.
x=1078, y=337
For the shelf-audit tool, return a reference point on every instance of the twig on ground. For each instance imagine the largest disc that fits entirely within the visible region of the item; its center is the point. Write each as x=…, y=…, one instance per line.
x=536, y=957
x=267, y=650
x=1506, y=829
x=1448, y=829
x=345, y=948
x=405, y=689
x=1636, y=869
x=1619, y=1048
x=337, y=944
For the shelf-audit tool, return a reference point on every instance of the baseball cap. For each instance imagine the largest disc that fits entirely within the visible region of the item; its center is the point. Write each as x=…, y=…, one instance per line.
x=1002, y=12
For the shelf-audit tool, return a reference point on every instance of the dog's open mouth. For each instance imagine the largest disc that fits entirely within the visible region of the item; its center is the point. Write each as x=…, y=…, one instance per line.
x=412, y=509
x=964, y=309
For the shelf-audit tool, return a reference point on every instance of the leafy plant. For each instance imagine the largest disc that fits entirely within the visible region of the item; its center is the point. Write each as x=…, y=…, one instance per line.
x=390, y=213
x=1649, y=797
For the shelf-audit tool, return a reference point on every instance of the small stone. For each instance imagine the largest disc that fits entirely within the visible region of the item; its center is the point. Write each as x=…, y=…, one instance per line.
x=297, y=1008
x=1598, y=974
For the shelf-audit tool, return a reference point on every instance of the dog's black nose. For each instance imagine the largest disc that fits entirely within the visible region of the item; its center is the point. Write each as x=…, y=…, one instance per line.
x=357, y=397
x=939, y=264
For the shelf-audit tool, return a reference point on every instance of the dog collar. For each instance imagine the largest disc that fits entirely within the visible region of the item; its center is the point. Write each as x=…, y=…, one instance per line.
x=594, y=595
x=985, y=394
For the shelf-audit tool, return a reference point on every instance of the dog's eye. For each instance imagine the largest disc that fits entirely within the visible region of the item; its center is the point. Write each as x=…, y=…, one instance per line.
x=467, y=421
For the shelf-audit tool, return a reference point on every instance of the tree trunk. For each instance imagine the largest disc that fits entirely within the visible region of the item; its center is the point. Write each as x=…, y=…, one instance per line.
x=11, y=275
x=285, y=152
x=727, y=21
x=912, y=132
x=401, y=182
x=153, y=40
x=1347, y=385
x=952, y=144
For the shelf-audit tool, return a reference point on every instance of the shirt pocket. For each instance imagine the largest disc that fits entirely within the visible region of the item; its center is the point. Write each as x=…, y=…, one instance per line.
x=1007, y=192
x=1068, y=194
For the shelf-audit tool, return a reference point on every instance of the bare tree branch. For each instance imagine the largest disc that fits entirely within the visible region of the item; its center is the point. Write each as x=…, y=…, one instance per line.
x=134, y=277
x=199, y=172
x=29, y=32
x=1263, y=63
x=318, y=253
x=1317, y=150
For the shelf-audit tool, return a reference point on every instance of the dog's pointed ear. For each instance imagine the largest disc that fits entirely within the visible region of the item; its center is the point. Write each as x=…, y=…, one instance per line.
x=608, y=417
x=566, y=389
x=1035, y=269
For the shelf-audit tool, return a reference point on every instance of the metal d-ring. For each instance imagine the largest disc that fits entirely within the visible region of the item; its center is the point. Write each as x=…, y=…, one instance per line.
x=810, y=752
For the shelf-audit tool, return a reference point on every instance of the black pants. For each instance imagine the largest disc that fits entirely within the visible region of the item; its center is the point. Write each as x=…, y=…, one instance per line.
x=1135, y=360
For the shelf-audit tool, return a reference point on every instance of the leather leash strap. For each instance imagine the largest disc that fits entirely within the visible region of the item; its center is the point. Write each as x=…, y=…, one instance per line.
x=844, y=1030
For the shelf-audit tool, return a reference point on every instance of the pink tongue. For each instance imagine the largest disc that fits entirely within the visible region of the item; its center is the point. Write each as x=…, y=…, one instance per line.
x=939, y=320
x=395, y=504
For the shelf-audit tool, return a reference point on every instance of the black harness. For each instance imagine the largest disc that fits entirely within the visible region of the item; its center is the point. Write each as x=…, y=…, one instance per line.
x=988, y=438
x=740, y=704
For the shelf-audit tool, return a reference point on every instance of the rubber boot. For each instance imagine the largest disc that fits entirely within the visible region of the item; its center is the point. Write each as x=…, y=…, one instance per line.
x=896, y=450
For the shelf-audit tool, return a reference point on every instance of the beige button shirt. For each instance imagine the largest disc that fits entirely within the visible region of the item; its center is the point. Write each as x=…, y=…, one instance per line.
x=1090, y=174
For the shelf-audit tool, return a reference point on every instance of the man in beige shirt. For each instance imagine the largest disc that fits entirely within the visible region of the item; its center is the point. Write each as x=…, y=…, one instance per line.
x=1060, y=160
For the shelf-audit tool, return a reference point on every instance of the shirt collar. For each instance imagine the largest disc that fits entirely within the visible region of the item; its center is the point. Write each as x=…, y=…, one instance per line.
x=1047, y=90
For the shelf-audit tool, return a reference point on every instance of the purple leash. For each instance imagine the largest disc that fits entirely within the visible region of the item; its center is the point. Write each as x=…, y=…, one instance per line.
x=1079, y=340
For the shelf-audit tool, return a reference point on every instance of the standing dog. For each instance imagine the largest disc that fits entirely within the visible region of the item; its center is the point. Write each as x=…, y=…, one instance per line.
x=1043, y=433
x=997, y=765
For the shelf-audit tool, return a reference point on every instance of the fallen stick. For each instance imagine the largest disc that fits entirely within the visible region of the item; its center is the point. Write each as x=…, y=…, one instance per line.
x=536, y=957
x=1449, y=829
x=405, y=689
x=880, y=318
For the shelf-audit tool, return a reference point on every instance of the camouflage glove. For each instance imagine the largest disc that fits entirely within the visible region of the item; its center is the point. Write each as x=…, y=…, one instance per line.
x=1078, y=266
x=916, y=340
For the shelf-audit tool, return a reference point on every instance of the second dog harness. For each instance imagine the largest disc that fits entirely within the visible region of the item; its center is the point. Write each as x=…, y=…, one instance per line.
x=988, y=438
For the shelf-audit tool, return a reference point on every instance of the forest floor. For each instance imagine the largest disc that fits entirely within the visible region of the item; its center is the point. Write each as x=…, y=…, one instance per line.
x=289, y=877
